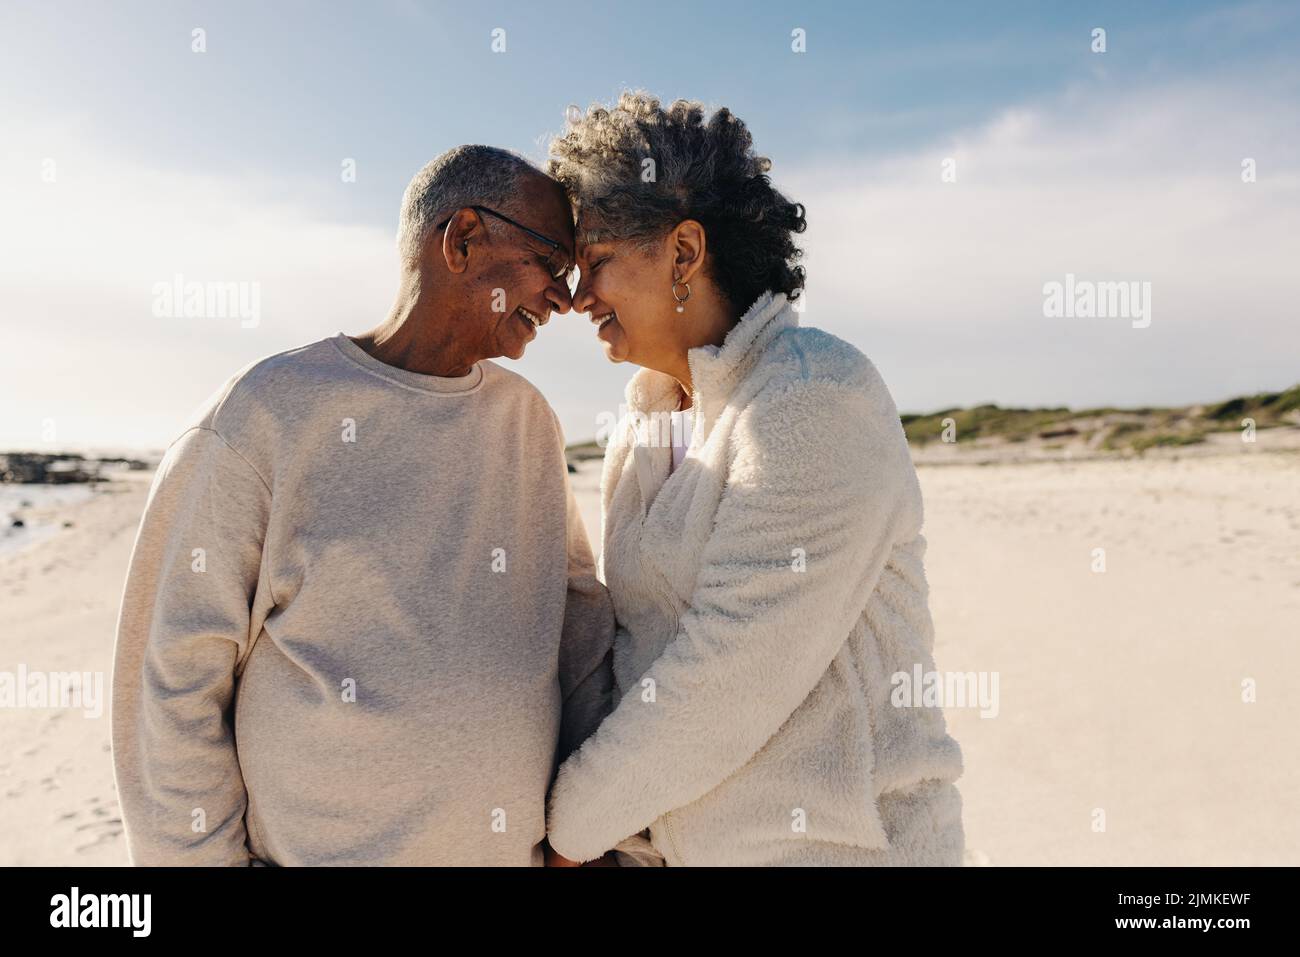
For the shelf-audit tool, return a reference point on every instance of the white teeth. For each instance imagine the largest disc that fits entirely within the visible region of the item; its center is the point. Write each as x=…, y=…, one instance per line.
x=532, y=317
x=601, y=320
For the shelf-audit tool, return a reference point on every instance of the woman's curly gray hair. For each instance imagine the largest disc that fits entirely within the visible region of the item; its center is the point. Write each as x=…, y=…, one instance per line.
x=703, y=169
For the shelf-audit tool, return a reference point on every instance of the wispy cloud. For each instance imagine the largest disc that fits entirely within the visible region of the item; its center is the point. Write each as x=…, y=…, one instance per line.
x=940, y=283
x=943, y=280
x=84, y=251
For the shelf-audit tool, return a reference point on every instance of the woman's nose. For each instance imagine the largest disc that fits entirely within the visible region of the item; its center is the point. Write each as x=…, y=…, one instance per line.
x=582, y=297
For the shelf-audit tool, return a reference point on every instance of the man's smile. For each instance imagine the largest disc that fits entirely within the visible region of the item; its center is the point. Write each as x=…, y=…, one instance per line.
x=536, y=320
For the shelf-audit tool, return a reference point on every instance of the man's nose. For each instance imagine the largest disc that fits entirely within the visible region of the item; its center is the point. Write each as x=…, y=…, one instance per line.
x=557, y=294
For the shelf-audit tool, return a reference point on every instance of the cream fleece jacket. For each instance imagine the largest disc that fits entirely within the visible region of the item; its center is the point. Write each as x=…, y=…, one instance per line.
x=361, y=623
x=765, y=591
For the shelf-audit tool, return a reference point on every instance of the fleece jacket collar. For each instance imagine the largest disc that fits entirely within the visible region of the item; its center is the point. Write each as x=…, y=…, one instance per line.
x=716, y=370
x=715, y=373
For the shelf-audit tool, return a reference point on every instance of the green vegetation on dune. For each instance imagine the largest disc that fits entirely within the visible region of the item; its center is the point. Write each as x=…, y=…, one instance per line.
x=982, y=421
x=1265, y=408
x=1107, y=428
x=581, y=451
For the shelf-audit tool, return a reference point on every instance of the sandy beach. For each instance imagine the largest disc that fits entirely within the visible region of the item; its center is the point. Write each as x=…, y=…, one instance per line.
x=58, y=609
x=1119, y=690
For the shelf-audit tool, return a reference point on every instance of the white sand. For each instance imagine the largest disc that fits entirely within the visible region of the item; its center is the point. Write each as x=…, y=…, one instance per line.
x=58, y=609
x=1118, y=691
x=1122, y=690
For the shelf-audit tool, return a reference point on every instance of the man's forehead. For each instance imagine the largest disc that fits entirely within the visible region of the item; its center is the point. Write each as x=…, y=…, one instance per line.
x=550, y=204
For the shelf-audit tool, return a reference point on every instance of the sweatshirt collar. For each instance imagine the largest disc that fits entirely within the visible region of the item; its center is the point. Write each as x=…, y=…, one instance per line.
x=436, y=384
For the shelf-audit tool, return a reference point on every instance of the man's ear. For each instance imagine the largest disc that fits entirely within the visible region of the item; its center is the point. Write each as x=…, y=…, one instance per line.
x=689, y=245
x=465, y=229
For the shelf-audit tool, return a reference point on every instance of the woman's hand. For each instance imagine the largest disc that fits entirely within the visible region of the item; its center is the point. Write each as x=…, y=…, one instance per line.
x=555, y=859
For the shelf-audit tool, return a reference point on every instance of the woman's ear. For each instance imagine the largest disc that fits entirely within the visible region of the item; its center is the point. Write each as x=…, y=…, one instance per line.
x=689, y=247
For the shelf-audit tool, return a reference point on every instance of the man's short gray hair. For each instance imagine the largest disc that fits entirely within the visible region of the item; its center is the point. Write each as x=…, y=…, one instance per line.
x=463, y=176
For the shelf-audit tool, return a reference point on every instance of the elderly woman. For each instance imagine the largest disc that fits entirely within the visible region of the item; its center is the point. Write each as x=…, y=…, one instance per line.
x=762, y=532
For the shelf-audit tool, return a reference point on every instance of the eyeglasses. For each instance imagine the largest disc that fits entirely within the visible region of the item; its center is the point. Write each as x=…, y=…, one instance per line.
x=558, y=263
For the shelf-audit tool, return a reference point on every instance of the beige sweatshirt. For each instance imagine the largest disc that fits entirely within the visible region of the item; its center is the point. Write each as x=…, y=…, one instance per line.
x=361, y=624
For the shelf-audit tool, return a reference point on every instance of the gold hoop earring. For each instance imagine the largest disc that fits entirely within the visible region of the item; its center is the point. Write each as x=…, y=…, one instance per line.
x=681, y=299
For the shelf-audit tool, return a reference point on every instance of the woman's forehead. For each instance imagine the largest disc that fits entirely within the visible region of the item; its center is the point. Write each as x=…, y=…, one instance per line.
x=587, y=229
x=589, y=237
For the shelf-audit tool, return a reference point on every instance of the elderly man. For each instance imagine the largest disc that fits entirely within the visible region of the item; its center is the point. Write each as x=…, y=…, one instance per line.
x=362, y=622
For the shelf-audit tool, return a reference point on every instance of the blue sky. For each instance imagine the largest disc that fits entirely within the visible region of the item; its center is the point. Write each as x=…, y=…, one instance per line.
x=225, y=165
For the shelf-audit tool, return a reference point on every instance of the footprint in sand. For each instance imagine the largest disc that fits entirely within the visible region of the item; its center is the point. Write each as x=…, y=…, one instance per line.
x=103, y=827
x=16, y=791
x=51, y=782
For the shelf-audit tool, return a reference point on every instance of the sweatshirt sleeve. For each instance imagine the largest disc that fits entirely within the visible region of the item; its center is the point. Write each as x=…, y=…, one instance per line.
x=817, y=486
x=184, y=627
x=586, y=645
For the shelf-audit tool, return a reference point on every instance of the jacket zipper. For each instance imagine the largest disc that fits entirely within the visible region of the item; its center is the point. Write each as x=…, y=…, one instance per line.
x=667, y=598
